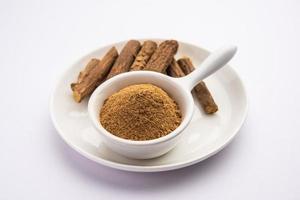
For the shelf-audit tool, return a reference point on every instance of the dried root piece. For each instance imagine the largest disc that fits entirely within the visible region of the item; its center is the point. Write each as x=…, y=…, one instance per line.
x=174, y=70
x=93, y=74
x=84, y=73
x=144, y=55
x=126, y=58
x=206, y=100
x=163, y=56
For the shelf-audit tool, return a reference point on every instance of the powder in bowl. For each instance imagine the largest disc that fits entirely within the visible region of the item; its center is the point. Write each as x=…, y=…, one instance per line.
x=140, y=112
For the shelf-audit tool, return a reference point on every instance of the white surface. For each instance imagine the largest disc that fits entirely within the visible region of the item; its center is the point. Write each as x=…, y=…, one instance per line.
x=204, y=136
x=38, y=40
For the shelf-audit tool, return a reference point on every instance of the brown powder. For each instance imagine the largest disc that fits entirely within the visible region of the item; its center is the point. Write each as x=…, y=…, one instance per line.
x=140, y=112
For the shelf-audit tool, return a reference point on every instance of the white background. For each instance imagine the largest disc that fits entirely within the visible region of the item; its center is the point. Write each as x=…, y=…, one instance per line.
x=39, y=39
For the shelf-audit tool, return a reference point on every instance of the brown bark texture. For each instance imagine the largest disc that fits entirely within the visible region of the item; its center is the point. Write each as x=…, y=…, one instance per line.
x=144, y=55
x=93, y=74
x=125, y=59
x=163, y=56
x=89, y=67
x=174, y=70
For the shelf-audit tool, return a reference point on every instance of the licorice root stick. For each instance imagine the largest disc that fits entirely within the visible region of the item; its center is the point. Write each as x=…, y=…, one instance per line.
x=163, y=56
x=125, y=59
x=87, y=70
x=203, y=94
x=93, y=74
x=144, y=55
x=174, y=70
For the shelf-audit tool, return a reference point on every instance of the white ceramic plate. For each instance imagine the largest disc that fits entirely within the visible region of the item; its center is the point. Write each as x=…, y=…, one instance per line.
x=206, y=134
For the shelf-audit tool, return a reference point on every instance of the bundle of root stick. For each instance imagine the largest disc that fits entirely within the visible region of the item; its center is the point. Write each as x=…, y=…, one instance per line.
x=136, y=56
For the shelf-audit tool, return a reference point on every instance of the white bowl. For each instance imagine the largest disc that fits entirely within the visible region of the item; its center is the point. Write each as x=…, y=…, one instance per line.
x=148, y=148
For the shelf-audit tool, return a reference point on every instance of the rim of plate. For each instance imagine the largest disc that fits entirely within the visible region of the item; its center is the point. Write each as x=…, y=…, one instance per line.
x=139, y=168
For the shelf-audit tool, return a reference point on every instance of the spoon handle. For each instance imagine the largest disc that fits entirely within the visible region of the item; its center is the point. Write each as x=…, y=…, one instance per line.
x=211, y=64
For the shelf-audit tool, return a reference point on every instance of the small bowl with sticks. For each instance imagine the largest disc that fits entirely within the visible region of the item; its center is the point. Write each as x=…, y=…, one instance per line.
x=178, y=88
